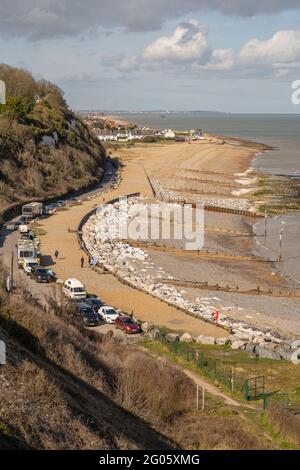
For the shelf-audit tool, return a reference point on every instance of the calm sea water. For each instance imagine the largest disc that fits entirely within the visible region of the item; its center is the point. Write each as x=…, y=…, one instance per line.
x=280, y=131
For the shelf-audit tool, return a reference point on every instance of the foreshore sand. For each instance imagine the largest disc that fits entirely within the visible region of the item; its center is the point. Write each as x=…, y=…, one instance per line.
x=219, y=161
x=222, y=166
x=109, y=289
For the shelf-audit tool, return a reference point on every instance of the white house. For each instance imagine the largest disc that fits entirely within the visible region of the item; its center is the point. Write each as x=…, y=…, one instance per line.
x=118, y=136
x=169, y=134
x=107, y=137
x=134, y=136
x=196, y=134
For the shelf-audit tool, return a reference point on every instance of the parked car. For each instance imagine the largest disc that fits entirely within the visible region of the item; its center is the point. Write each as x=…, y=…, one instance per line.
x=28, y=265
x=40, y=274
x=108, y=314
x=88, y=314
x=21, y=221
x=17, y=224
x=27, y=235
x=94, y=302
x=47, y=209
x=52, y=275
x=74, y=289
x=128, y=325
x=50, y=209
x=23, y=228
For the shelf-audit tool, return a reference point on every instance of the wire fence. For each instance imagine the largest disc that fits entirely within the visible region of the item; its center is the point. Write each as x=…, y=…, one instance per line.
x=221, y=372
x=216, y=369
x=284, y=401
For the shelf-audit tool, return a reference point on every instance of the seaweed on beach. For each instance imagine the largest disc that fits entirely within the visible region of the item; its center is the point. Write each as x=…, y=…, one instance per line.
x=278, y=194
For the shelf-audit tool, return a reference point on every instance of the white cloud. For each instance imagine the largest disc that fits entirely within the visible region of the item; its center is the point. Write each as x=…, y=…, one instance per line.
x=129, y=64
x=220, y=60
x=187, y=43
x=283, y=47
x=187, y=48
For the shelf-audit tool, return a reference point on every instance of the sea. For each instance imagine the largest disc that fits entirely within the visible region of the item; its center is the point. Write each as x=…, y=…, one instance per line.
x=281, y=131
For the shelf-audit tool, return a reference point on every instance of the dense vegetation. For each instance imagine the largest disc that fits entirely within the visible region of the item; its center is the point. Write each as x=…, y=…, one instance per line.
x=65, y=387
x=45, y=149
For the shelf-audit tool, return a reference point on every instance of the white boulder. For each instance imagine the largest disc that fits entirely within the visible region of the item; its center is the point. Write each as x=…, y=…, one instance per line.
x=238, y=344
x=186, y=338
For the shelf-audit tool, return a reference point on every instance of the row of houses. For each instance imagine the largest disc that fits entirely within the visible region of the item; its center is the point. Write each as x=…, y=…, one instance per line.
x=122, y=136
x=107, y=135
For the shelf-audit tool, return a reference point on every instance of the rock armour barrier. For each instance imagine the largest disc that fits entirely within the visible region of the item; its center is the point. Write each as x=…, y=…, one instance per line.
x=113, y=253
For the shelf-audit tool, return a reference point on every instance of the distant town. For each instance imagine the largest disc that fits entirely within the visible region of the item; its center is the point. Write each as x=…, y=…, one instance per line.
x=109, y=129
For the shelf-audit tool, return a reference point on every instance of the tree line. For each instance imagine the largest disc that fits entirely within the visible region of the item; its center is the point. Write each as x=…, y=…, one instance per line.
x=23, y=90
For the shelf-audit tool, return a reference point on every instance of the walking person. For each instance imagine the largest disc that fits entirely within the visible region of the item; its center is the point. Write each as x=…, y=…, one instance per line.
x=216, y=317
x=56, y=254
x=82, y=261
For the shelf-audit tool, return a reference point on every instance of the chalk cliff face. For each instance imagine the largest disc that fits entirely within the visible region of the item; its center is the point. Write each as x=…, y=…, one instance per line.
x=45, y=149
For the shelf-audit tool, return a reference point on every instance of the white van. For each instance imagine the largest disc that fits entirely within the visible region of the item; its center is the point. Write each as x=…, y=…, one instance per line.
x=26, y=251
x=74, y=289
x=23, y=228
x=33, y=209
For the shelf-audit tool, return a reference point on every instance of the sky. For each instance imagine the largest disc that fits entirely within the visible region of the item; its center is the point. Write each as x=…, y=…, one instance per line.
x=218, y=55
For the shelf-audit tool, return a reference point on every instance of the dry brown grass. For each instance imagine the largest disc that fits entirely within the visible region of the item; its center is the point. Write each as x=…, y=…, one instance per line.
x=161, y=394
x=36, y=409
x=68, y=388
x=137, y=380
x=285, y=422
x=218, y=433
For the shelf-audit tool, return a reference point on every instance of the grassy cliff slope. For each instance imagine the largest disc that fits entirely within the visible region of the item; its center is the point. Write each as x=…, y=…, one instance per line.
x=65, y=387
x=45, y=149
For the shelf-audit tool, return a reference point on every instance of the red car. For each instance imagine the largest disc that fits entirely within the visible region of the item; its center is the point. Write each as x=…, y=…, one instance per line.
x=127, y=325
